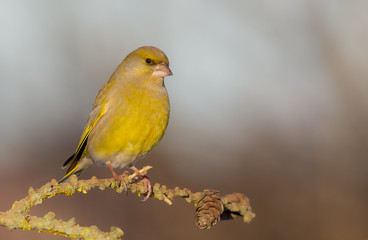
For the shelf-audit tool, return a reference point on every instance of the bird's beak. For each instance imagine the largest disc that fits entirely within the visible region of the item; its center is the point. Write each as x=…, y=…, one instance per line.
x=162, y=70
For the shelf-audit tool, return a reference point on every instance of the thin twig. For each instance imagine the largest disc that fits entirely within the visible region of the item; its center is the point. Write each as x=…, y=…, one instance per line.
x=17, y=217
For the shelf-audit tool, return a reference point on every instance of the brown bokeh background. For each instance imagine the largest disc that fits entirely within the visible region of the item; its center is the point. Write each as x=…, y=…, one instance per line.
x=269, y=98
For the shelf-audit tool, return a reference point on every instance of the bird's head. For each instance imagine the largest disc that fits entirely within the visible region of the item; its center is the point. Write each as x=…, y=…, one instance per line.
x=147, y=62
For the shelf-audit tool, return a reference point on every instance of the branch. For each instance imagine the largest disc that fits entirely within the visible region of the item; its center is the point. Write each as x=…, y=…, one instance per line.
x=210, y=206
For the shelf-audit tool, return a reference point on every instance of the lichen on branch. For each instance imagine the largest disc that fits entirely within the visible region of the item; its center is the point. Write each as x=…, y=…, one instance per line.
x=210, y=206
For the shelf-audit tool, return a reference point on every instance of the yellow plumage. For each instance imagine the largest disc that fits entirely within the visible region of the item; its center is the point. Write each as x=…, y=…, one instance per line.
x=129, y=116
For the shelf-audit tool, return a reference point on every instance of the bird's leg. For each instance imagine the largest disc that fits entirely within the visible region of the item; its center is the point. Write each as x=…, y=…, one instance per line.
x=117, y=177
x=146, y=181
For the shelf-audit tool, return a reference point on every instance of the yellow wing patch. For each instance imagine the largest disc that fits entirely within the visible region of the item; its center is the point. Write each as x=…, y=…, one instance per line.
x=99, y=109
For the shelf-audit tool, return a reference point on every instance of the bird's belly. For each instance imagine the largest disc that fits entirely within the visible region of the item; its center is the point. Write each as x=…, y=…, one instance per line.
x=124, y=139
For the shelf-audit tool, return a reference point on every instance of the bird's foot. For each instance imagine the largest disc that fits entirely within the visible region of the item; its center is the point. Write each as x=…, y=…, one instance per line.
x=146, y=181
x=119, y=178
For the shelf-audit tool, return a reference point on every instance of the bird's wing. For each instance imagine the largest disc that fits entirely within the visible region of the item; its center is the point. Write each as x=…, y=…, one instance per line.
x=99, y=109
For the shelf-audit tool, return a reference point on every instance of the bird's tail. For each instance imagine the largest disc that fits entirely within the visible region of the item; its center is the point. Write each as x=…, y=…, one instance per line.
x=77, y=167
x=73, y=171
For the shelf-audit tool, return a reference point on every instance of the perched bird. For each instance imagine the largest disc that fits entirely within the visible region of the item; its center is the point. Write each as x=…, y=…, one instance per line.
x=129, y=116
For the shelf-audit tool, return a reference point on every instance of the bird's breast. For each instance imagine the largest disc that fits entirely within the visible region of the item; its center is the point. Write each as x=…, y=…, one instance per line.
x=133, y=125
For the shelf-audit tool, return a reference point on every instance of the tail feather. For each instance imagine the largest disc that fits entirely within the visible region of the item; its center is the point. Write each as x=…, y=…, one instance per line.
x=76, y=162
x=77, y=167
x=68, y=161
x=75, y=171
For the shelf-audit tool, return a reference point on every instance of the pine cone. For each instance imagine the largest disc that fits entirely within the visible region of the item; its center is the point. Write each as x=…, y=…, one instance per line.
x=209, y=209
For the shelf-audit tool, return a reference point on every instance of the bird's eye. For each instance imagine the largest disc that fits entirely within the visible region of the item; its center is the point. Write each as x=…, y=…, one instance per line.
x=148, y=60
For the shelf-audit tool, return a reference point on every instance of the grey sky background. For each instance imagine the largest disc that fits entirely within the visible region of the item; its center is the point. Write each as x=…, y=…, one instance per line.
x=252, y=79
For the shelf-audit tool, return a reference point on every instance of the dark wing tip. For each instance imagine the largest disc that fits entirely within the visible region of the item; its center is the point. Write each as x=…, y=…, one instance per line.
x=68, y=161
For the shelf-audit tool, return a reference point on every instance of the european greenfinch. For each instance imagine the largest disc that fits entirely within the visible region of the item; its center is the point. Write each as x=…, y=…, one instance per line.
x=129, y=116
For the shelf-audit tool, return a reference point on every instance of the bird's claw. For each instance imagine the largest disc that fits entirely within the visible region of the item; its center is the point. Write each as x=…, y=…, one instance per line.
x=148, y=186
x=146, y=181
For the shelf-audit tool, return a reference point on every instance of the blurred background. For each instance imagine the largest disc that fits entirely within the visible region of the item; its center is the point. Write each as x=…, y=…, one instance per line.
x=268, y=98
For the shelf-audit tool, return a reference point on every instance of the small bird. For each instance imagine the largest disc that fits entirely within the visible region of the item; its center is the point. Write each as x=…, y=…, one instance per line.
x=128, y=118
